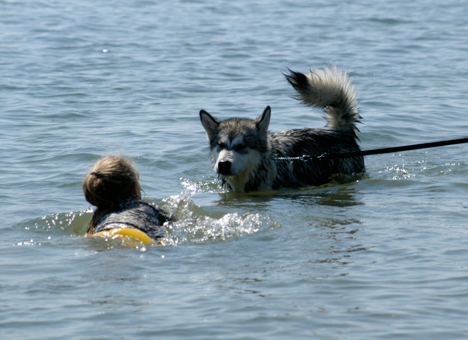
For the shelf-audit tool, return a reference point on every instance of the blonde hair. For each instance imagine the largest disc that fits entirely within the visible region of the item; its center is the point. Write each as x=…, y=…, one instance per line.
x=111, y=180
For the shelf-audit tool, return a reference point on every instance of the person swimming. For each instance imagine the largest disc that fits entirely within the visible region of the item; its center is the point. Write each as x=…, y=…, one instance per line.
x=113, y=187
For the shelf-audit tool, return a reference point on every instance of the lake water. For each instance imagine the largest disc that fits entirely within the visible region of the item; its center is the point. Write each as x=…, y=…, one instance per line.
x=384, y=257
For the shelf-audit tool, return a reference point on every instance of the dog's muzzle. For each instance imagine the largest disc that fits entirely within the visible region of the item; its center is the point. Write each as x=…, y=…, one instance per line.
x=224, y=168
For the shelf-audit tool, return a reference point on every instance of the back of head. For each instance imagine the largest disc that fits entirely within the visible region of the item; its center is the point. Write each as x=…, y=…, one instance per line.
x=111, y=180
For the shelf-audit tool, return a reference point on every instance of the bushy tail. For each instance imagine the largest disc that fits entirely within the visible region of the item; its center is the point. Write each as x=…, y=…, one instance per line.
x=331, y=90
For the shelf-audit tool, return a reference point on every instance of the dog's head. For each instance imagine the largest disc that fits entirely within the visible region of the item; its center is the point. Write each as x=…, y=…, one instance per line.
x=237, y=144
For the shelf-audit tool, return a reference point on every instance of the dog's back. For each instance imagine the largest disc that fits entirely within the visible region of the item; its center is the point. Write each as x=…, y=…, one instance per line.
x=331, y=90
x=314, y=143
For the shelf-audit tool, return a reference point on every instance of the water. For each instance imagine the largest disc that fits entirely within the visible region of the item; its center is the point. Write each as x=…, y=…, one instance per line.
x=383, y=257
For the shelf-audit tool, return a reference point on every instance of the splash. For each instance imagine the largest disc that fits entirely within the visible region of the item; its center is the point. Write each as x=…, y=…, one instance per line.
x=204, y=228
x=196, y=226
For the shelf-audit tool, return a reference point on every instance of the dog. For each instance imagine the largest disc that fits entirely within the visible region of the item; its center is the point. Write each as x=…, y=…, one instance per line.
x=248, y=158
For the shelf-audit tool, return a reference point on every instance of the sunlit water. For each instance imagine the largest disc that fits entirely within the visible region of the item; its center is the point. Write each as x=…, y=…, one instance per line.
x=384, y=256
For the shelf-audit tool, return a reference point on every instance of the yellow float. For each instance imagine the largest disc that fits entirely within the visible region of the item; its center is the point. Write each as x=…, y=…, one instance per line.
x=125, y=232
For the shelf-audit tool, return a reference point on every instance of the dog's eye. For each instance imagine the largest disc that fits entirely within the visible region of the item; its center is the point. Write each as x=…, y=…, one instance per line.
x=222, y=145
x=240, y=147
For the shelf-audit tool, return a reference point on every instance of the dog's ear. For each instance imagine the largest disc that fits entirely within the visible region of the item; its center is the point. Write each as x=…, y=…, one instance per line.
x=209, y=122
x=264, y=121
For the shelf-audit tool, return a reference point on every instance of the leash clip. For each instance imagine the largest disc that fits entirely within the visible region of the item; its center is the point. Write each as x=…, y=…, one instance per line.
x=305, y=158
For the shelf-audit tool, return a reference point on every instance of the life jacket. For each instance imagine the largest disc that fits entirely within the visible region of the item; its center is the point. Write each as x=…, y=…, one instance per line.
x=135, y=214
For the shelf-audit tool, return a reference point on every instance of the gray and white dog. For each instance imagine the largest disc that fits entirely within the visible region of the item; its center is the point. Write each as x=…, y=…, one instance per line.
x=245, y=154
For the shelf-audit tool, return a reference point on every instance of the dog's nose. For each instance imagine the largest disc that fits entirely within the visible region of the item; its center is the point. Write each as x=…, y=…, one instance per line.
x=224, y=167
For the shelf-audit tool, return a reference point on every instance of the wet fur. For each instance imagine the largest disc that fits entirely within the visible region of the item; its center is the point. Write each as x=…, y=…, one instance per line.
x=245, y=154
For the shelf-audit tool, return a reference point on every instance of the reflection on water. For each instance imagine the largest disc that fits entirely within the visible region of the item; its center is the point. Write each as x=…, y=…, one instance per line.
x=345, y=196
x=331, y=194
x=75, y=222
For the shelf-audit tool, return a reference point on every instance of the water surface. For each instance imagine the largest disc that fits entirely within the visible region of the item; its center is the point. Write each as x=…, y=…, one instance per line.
x=381, y=257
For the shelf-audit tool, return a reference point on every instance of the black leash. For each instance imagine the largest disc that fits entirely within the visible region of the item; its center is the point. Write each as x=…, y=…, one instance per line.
x=306, y=158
